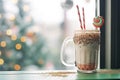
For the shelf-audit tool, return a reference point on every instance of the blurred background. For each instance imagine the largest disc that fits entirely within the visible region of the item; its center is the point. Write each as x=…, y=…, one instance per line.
x=32, y=31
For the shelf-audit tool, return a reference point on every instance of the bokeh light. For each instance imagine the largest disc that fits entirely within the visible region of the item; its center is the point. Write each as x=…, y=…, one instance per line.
x=0, y=15
x=9, y=32
x=26, y=8
x=18, y=46
x=23, y=39
x=1, y=61
x=15, y=1
x=17, y=67
x=13, y=37
x=3, y=44
x=12, y=17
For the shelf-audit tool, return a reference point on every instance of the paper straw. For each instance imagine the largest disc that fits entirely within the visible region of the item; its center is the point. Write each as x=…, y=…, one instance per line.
x=79, y=16
x=83, y=18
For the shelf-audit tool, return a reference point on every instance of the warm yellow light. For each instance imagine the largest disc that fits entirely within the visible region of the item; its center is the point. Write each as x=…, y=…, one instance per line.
x=26, y=8
x=15, y=1
x=0, y=53
x=17, y=67
x=9, y=32
x=0, y=15
x=30, y=34
x=12, y=17
x=18, y=46
x=1, y=61
x=23, y=39
x=3, y=44
x=13, y=37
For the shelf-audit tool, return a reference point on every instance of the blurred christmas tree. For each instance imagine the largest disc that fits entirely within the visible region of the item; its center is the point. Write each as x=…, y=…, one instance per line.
x=19, y=47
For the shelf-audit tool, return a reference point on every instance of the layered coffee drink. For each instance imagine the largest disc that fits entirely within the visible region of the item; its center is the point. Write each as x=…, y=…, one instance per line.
x=87, y=43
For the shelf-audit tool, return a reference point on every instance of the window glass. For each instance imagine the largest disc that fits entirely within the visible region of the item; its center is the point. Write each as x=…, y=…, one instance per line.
x=32, y=31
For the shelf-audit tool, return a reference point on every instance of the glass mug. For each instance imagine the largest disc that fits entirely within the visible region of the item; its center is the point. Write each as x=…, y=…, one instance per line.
x=87, y=47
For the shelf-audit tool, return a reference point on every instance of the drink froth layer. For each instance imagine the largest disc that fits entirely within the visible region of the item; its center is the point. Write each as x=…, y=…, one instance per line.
x=86, y=36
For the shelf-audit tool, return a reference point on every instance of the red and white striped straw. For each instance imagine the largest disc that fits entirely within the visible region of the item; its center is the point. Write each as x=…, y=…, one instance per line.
x=79, y=16
x=83, y=18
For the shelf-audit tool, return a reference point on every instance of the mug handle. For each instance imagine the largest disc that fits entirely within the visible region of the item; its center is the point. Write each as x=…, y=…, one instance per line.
x=66, y=41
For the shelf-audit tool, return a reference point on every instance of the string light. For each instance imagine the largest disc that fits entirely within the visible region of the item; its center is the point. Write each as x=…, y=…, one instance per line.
x=17, y=67
x=12, y=17
x=30, y=34
x=23, y=39
x=0, y=15
x=0, y=53
x=1, y=61
x=18, y=46
x=26, y=8
x=15, y=1
x=3, y=44
x=9, y=32
x=13, y=37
